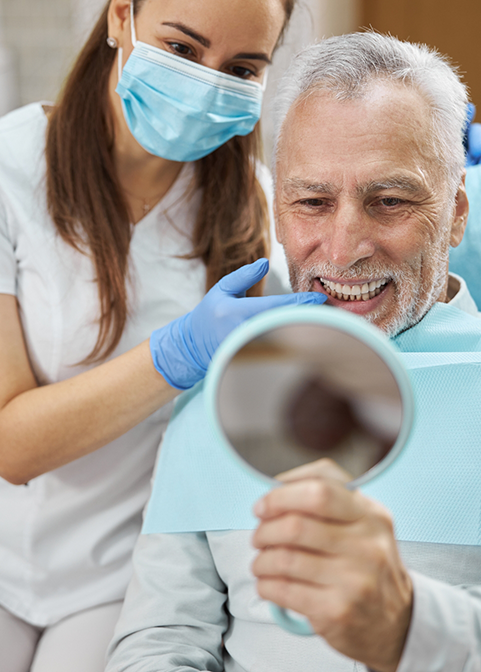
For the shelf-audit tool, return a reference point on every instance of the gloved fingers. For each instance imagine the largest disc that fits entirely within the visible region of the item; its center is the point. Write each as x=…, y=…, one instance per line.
x=259, y=304
x=239, y=281
x=470, y=113
x=474, y=144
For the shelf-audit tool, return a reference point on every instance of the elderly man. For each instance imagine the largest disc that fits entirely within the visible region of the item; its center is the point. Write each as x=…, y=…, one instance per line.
x=369, y=198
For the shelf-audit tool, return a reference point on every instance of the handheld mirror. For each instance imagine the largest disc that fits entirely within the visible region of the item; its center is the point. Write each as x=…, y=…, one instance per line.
x=298, y=384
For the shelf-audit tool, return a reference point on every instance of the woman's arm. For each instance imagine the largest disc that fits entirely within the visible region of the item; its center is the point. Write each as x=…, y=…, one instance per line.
x=174, y=613
x=42, y=428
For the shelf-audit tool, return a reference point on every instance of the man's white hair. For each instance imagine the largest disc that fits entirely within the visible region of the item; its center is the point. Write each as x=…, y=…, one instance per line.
x=347, y=66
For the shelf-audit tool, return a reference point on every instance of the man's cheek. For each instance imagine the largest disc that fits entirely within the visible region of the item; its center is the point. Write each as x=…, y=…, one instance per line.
x=299, y=241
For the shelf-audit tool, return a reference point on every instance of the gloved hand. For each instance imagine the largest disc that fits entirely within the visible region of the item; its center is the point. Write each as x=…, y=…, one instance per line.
x=472, y=137
x=182, y=350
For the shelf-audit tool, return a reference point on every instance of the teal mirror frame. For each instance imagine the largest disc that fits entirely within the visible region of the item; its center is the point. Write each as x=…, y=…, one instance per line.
x=325, y=316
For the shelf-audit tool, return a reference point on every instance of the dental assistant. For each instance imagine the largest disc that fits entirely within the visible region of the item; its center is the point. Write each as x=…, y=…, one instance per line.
x=119, y=208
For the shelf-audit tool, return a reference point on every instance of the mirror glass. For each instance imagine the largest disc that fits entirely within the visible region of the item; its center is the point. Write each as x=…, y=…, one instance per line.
x=301, y=392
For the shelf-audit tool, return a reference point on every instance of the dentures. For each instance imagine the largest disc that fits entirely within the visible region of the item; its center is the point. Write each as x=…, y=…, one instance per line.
x=364, y=292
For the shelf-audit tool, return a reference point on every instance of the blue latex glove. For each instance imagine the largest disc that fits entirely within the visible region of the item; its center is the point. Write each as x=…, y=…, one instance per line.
x=182, y=350
x=472, y=137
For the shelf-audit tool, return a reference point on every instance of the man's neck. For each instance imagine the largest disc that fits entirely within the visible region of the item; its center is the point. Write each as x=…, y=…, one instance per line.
x=453, y=288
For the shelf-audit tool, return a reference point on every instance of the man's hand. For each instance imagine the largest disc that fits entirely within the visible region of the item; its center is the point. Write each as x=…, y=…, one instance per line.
x=330, y=554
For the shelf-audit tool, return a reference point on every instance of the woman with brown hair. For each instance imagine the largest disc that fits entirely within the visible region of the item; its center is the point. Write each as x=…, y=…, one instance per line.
x=119, y=207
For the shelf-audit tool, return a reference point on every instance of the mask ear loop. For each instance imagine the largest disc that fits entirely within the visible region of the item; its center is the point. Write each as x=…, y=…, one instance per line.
x=133, y=37
x=264, y=79
x=120, y=60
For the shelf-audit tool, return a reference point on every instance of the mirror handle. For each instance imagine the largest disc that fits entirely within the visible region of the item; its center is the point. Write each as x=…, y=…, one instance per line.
x=297, y=625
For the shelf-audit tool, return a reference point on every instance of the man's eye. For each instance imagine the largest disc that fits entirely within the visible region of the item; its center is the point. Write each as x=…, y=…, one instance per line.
x=243, y=73
x=181, y=49
x=390, y=202
x=313, y=202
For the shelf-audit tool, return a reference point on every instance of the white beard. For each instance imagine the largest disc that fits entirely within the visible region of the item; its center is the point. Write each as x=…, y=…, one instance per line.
x=412, y=298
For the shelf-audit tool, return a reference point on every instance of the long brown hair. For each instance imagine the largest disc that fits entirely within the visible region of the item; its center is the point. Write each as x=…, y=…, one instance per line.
x=89, y=208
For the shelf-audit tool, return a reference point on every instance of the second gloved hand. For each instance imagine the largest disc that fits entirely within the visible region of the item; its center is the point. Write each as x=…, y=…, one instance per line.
x=182, y=350
x=472, y=137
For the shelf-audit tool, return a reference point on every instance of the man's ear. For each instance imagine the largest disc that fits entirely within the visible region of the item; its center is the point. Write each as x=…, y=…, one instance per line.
x=460, y=214
x=118, y=19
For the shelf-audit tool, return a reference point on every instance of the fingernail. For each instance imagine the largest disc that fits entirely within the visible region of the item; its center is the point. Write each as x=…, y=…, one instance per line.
x=259, y=508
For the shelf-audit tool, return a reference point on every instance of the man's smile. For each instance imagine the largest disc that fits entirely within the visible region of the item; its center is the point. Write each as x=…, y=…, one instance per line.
x=360, y=291
x=355, y=297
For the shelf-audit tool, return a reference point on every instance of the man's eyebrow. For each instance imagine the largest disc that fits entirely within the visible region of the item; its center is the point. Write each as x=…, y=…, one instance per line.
x=296, y=184
x=189, y=32
x=406, y=184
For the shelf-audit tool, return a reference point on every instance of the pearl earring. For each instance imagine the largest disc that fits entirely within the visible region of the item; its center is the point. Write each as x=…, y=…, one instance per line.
x=112, y=42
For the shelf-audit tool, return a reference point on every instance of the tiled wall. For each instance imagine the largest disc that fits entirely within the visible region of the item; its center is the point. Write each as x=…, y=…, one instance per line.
x=42, y=38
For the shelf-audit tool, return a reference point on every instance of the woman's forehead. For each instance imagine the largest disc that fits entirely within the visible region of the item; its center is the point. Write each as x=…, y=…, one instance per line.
x=245, y=25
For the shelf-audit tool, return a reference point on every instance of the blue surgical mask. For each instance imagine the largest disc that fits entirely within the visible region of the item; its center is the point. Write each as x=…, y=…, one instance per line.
x=181, y=110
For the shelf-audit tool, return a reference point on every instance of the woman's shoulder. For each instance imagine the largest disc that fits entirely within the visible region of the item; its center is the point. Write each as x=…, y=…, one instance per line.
x=22, y=137
x=24, y=124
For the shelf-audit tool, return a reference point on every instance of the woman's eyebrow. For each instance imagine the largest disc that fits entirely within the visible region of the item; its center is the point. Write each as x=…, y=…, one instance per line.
x=254, y=57
x=189, y=32
x=260, y=56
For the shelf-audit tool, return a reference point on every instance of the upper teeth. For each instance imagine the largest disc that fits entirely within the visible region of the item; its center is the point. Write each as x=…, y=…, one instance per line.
x=364, y=291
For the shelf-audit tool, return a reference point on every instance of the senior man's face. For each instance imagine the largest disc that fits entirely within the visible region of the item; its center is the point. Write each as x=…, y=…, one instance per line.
x=363, y=208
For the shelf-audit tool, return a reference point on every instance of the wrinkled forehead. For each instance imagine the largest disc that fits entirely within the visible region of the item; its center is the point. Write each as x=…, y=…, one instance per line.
x=388, y=123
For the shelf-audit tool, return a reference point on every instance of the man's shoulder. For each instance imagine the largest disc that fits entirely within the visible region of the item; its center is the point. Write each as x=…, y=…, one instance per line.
x=444, y=328
x=460, y=296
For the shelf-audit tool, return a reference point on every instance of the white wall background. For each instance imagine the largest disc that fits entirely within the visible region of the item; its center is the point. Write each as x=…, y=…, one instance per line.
x=39, y=40
x=312, y=20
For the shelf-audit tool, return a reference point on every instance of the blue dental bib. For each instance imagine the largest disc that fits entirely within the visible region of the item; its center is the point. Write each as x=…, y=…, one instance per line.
x=433, y=489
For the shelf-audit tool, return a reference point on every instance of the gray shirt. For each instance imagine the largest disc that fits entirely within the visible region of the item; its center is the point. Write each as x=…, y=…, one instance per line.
x=192, y=605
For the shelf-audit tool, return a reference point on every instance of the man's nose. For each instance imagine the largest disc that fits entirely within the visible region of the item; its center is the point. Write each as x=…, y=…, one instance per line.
x=349, y=236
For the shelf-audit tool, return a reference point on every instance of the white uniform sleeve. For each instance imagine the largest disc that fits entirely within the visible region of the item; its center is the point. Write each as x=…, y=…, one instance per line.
x=8, y=264
x=277, y=281
x=445, y=631
x=173, y=617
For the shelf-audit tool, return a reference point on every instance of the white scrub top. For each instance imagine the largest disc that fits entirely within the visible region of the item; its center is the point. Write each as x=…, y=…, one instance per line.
x=66, y=537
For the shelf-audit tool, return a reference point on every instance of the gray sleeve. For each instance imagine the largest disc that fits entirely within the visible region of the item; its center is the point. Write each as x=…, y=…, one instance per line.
x=445, y=631
x=173, y=616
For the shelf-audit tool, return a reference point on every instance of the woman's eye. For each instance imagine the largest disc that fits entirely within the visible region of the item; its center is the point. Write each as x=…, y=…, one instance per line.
x=181, y=49
x=243, y=73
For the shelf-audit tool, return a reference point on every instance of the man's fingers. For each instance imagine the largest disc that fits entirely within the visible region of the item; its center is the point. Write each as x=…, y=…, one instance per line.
x=319, y=497
x=302, y=597
x=323, y=468
x=299, y=531
x=301, y=565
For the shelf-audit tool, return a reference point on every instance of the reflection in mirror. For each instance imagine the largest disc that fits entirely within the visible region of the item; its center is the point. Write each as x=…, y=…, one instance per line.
x=303, y=392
